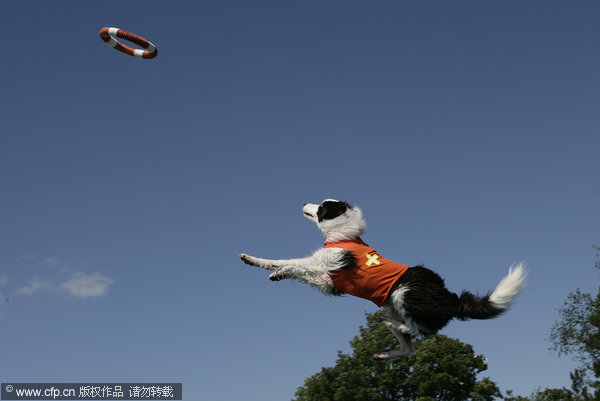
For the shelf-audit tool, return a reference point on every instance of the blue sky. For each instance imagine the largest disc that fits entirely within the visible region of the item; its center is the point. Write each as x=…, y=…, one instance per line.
x=467, y=131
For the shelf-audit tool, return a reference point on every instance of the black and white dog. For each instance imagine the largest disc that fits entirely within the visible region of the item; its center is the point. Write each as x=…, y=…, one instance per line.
x=416, y=300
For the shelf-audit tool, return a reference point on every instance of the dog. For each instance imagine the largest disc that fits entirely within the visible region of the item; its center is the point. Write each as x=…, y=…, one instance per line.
x=415, y=299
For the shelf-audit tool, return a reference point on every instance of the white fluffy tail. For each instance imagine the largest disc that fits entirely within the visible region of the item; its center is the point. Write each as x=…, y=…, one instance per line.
x=509, y=287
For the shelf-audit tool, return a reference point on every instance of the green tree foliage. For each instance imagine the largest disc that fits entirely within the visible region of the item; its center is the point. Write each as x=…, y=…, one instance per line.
x=443, y=369
x=554, y=394
x=577, y=333
x=509, y=397
x=546, y=395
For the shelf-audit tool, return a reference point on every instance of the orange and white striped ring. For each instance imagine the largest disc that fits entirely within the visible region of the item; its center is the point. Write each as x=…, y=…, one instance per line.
x=109, y=34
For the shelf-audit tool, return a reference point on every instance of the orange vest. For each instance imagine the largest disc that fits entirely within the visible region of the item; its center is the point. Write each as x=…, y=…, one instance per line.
x=371, y=277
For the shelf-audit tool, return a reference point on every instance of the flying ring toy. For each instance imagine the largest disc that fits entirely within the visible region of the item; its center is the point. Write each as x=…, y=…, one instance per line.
x=109, y=34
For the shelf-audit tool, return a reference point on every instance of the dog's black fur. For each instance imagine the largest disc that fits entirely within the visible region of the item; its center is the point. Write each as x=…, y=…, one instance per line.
x=432, y=306
x=329, y=210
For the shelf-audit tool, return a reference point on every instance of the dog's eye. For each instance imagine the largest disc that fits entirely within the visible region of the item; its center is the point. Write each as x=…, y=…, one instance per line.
x=329, y=210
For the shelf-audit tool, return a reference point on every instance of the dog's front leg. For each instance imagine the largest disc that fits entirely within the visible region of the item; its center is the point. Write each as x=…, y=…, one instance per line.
x=275, y=264
x=254, y=261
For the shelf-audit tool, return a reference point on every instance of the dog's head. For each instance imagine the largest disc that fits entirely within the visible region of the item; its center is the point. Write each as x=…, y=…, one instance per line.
x=337, y=220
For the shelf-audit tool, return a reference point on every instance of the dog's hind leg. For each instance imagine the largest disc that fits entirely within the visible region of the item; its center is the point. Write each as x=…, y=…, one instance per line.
x=401, y=332
x=394, y=325
x=407, y=349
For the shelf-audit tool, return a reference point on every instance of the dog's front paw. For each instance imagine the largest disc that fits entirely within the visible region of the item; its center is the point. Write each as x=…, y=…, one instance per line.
x=276, y=276
x=249, y=260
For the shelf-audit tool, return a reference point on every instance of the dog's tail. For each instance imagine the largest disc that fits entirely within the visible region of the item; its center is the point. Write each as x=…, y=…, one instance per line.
x=491, y=305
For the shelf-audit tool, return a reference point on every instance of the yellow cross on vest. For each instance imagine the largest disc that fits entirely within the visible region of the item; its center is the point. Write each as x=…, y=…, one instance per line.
x=372, y=259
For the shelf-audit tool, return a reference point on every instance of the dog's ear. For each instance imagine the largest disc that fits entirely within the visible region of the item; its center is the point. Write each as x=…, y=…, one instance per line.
x=331, y=209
